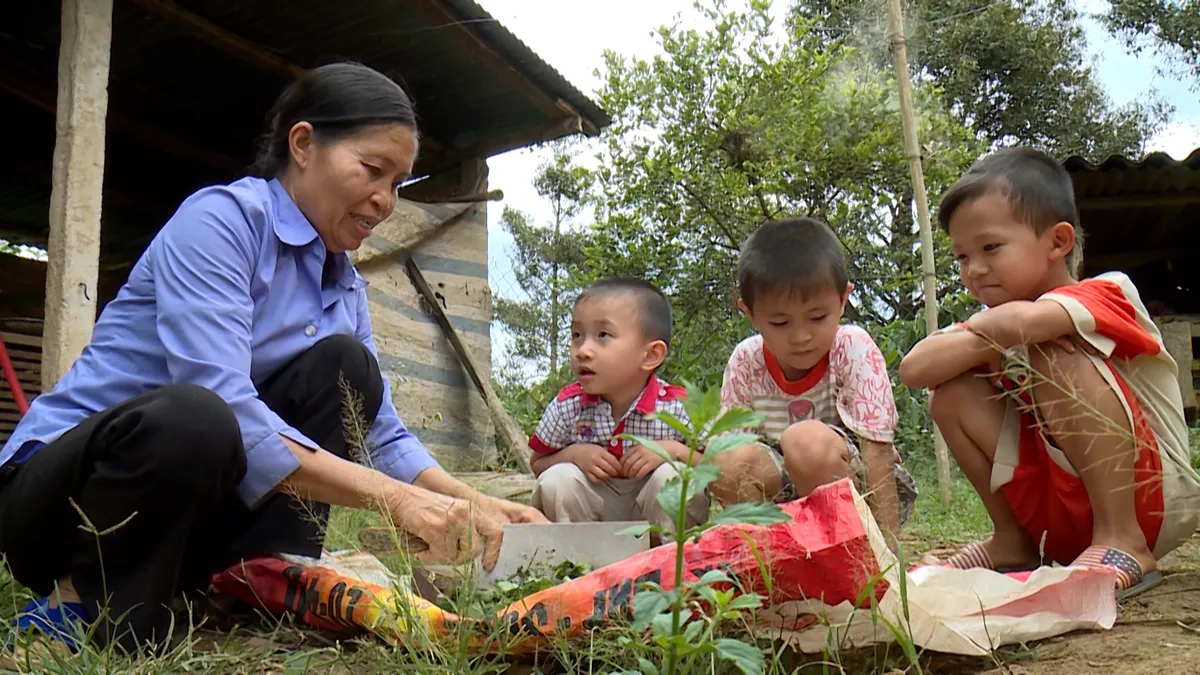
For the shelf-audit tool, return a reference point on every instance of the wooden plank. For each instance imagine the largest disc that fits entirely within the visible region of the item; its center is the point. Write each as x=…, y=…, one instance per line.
x=7, y=405
x=510, y=485
x=11, y=339
x=34, y=373
x=26, y=367
x=73, y=267
x=24, y=359
x=409, y=226
x=32, y=380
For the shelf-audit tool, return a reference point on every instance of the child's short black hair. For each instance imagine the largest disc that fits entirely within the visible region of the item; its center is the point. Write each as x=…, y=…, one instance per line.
x=797, y=255
x=654, y=312
x=1038, y=189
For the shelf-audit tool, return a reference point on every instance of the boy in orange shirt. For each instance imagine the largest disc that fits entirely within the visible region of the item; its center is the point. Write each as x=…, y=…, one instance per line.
x=1059, y=401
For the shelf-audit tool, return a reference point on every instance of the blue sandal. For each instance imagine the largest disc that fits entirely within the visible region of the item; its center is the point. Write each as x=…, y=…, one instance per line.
x=1131, y=580
x=64, y=623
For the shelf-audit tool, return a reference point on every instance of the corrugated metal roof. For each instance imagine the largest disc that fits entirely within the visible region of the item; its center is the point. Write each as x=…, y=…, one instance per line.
x=1156, y=173
x=209, y=105
x=1154, y=160
x=519, y=53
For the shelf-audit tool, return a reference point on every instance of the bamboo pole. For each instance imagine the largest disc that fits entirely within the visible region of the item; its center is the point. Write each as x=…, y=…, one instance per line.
x=912, y=147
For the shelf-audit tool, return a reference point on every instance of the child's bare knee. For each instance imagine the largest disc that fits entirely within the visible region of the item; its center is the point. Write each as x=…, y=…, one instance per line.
x=745, y=472
x=738, y=459
x=948, y=400
x=812, y=447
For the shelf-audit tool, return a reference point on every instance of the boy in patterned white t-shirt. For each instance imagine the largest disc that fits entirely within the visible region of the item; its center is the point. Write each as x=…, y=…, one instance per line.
x=1059, y=401
x=620, y=331
x=821, y=386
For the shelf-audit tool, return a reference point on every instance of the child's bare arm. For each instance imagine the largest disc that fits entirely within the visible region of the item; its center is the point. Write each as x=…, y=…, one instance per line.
x=880, y=459
x=539, y=462
x=1022, y=322
x=942, y=357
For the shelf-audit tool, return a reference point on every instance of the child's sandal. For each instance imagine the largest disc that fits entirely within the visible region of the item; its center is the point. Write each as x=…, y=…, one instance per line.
x=1131, y=580
x=62, y=623
x=975, y=556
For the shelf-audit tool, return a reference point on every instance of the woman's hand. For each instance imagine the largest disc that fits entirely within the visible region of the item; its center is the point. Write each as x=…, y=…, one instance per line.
x=490, y=514
x=510, y=512
x=456, y=530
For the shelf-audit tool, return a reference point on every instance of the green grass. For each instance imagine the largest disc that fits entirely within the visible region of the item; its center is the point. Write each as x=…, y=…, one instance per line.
x=933, y=524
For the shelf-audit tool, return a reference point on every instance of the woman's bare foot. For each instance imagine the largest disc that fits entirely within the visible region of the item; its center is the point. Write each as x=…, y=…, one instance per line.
x=64, y=593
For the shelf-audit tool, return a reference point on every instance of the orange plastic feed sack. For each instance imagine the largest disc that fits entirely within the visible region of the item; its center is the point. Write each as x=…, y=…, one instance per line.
x=823, y=553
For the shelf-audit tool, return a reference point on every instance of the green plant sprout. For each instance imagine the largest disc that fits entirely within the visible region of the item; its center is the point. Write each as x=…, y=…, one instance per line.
x=662, y=611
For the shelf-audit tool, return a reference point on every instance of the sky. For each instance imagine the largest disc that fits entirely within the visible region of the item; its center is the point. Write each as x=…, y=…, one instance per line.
x=627, y=27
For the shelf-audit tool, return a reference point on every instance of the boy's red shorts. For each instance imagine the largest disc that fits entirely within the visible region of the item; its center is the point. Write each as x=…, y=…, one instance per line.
x=1050, y=502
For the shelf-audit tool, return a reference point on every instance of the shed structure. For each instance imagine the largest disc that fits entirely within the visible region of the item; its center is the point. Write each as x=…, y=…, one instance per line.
x=118, y=109
x=1141, y=216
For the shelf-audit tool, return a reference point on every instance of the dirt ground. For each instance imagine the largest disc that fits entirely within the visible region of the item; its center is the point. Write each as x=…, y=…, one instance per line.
x=1158, y=632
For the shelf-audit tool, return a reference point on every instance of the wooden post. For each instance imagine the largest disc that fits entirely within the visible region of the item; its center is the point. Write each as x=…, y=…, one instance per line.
x=78, y=181
x=473, y=180
x=1177, y=337
x=912, y=148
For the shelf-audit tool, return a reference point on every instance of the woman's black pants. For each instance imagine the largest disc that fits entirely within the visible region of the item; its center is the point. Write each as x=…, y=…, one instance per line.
x=159, y=471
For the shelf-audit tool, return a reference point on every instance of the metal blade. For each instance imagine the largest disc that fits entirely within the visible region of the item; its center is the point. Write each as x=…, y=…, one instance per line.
x=543, y=546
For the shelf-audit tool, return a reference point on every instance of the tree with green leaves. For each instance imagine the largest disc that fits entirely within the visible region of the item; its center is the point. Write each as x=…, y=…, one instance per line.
x=736, y=122
x=546, y=257
x=732, y=126
x=1172, y=26
x=1013, y=71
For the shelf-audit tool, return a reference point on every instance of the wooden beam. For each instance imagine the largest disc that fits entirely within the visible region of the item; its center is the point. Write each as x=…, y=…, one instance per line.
x=220, y=38
x=461, y=32
x=120, y=201
x=494, y=146
x=235, y=45
x=1136, y=258
x=78, y=184
x=406, y=229
x=1138, y=201
x=27, y=88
